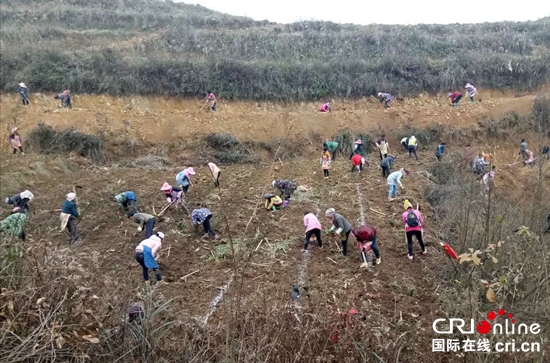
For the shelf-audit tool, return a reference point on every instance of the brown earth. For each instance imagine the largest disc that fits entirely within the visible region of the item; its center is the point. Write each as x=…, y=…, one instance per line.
x=158, y=119
x=397, y=292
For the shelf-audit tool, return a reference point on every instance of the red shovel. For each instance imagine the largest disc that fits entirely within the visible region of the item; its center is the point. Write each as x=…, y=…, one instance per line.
x=449, y=250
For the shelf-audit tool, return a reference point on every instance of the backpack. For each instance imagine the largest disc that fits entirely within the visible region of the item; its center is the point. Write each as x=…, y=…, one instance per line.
x=412, y=219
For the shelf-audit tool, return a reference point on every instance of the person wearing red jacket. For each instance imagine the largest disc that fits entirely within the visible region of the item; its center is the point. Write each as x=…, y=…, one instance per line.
x=455, y=98
x=357, y=162
x=366, y=239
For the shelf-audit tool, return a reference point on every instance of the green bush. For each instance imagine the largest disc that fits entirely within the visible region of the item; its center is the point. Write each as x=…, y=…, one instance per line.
x=157, y=47
x=228, y=149
x=48, y=140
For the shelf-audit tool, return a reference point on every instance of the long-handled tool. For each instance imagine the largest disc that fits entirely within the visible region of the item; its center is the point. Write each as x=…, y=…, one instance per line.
x=165, y=208
x=76, y=197
x=25, y=97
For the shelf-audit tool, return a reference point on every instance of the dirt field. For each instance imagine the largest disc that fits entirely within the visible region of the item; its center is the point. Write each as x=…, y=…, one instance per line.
x=397, y=292
x=165, y=120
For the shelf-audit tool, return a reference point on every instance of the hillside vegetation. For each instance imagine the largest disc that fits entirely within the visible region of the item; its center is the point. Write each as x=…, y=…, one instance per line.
x=156, y=47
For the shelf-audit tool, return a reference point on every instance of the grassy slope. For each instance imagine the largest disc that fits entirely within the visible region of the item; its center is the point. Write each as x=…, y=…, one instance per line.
x=154, y=47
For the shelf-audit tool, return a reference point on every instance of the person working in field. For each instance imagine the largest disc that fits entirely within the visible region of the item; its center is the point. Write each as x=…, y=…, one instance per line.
x=357, y=162
x=531, y=159
x=215, y=173
x=385, y=98
x=24, y=93
x=69, y=215
x=146, y=221
x=383, y=146
x=203, y=216
x=488, y=180
x=413, y=146
x=211, y=100
x=405, y=143
x=413, y=221
x=183, y=179
x=127, y=202
x=20, y=201
x=440, y=150
x=15, y=141
x=366, y=240
x=286, y=188
x=523, y=149
x=357, y=148
x=455, y=98
x=65, y=98
x=313, y=228
x=325, y=107
x=332, y=146
x=479, y=165
x=471, y=91
x=145, y=255
x=172, y=194
x=340, y=227
x=386, y=164
x=325, y=163
x=394, y=179
x=273, y=202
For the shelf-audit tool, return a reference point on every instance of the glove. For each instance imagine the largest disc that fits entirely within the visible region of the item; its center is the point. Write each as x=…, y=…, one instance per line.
x=140, y=229
x=169, y=200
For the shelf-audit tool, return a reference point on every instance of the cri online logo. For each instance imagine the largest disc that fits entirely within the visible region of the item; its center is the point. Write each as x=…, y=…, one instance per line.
x=484, y=327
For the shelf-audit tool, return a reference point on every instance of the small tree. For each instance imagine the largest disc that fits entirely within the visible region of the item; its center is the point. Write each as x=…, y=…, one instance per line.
x=541, y=111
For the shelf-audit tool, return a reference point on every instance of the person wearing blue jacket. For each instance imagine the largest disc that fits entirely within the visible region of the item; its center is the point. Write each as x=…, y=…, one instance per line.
x=127, y=202
x=393, y=181
x=439, y=151
x=69, y=215
x=386, y=164
x=24, y=93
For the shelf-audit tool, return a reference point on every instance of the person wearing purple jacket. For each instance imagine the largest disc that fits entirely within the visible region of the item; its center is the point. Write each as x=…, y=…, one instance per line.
x=471, y=90
x=385, y=98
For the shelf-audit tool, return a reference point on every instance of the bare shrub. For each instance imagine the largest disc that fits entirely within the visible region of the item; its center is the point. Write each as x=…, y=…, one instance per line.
x=505, y=127
x=220, y=141
x=48, y=140
x=346, y=140
x=541, y=112
x=500, y=250
x=147, y=162
x=226, y=148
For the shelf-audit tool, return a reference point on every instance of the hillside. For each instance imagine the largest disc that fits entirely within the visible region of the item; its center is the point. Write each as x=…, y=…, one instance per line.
x=154, y=47
x=217, y=305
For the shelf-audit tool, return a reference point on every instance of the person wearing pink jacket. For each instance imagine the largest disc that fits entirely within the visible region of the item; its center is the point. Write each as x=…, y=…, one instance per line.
x=413, y=227
x=313, y=227
x=325, y=107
